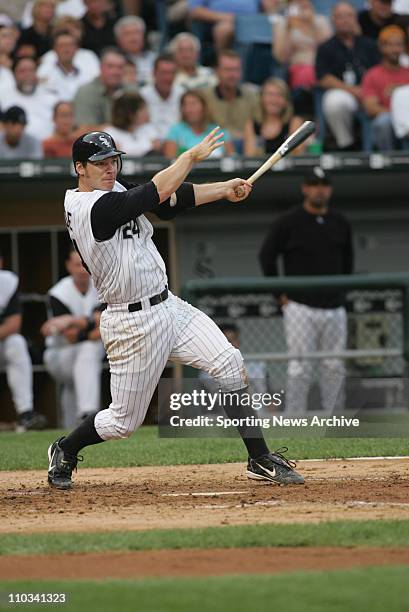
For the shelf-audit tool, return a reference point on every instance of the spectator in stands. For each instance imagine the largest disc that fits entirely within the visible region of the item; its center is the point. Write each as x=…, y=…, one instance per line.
x=74, y=350
x=93, y=101
x=277, y=123
x=14, y=9
x=231, y=104
x=39, y=34
x=71, y=8
x=8, y=40
x=98, y=26
x=64, y=78
x=379, y=14
x=295, y=42
x=14, y=142
x=312, y=240
x=14, y=356
x=379, y=83
x=59, y=144
x=340, y=65
x=193, y=128
x=401, y=7
x=84, y=59
x=400, y=114
x=130, y=74
x=220, y=16
x=163, y=96
x=130, y=127
x=32, y=97
x=130, y=38
x=25, y=50
x=185, y=49
x=177, y=15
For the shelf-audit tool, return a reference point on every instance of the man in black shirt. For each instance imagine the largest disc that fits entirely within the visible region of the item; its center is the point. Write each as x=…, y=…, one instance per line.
x=341, y=63
x=377, y=16
x=312, y=240
x=98, y=26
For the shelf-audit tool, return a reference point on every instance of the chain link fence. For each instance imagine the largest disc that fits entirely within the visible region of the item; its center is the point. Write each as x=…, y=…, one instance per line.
x=364, y=343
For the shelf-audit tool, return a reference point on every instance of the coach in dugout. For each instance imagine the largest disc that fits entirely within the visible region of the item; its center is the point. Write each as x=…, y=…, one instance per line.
x=312, y=240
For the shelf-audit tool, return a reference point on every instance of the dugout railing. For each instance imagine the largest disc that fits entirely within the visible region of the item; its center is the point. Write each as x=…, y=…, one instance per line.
x=377, y=349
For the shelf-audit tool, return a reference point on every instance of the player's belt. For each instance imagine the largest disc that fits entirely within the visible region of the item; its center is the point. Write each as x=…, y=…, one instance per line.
x=153, y=301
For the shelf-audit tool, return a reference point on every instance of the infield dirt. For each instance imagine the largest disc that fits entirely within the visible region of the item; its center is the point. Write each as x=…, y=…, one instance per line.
x=202, y=495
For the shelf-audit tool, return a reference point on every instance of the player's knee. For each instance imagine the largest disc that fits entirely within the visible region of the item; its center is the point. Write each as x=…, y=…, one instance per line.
x=15, y=348
x=333, y=366
x=229, y=370
x=299, y=369
x=123, y=431
x=334, y=102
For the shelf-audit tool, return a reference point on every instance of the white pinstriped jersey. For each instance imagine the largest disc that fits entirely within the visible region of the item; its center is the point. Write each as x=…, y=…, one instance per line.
x=125, y=268
x=79, y=304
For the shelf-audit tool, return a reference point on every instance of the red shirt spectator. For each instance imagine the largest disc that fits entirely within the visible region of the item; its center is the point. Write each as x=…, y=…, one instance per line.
x=380, y=80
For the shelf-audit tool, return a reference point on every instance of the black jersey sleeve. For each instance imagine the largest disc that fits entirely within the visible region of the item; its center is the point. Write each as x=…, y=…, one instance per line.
x=185, y=199
x=114, y=209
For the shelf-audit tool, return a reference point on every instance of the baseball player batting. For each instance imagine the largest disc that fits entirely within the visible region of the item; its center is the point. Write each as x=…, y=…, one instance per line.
x=144, y=325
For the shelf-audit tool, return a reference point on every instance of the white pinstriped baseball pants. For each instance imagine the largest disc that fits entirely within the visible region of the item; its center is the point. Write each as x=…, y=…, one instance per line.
x=307, y=330
x=139, y=344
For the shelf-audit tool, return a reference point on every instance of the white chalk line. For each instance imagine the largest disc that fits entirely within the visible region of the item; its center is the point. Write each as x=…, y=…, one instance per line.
x=354, y=459
x=204, y=494
x=349, y=504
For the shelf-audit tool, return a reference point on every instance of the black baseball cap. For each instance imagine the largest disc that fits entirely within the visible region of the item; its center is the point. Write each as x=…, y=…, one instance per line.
x=15, y=114
x=316, y=176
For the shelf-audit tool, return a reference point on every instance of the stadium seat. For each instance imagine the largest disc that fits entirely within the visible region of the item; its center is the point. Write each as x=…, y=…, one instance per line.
x=324, y=7
x=253, y=40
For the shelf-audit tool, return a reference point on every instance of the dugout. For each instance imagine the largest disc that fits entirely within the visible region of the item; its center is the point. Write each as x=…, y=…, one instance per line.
x=218, y=240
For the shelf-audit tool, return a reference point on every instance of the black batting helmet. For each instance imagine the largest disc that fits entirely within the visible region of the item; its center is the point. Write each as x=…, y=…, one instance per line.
x=94, y=146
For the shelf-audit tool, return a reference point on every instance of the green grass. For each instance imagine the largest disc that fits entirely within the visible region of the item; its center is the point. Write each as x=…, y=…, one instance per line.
x=356, y=590
x=29, y=450
x=348, y=533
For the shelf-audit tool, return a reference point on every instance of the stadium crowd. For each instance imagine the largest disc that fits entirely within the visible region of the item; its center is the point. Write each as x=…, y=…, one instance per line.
x=160, y=75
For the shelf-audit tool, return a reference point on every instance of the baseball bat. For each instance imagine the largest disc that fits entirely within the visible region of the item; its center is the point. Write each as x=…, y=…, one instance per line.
x=292, y=142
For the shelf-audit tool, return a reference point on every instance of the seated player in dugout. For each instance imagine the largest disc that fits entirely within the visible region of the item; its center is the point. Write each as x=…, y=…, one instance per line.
x=74, y=351
x=14, y=355
x=144, y=325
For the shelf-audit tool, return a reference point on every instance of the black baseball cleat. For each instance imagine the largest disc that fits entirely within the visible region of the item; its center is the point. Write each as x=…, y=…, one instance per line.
x=274, y=467
x=61, y=465
x=31, y=421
